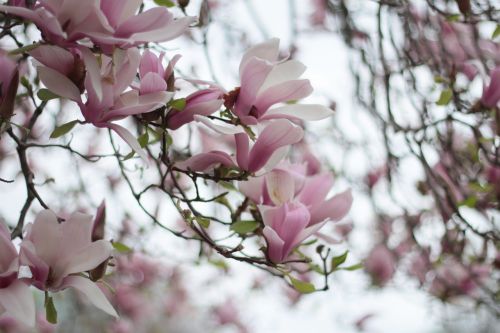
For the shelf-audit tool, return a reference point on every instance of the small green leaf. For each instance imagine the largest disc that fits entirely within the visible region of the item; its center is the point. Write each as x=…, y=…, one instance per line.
x=120, y=247
x=302, y=286
x=445, y=97
x=50, y=310
x=219, y=264
x=352, y=267
x=129, y=155
x=165, y=3
x=439, y=79
x=244, y=227
x=496, y=33
x=227, y=185
x=143, y=139
x=63, y=129
x=311, y=242
x=204, y=222
x=178, y=104
x=469, y=202
x=46, y=94
x=339, y=260
x=26, y=83
x=453, y=18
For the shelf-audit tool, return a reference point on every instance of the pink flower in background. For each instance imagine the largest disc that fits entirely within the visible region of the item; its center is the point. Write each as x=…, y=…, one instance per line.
x=9, y=80
x=108, y=23
x=227, y=314
x=380, y=264
x=491, y=92
x=153, y=76
x=269, y=148
x=266, y=81
x=16, y=299
x=57, y=252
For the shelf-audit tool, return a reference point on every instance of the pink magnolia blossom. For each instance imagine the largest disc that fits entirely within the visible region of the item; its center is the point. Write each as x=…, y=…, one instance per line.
x=107, y=98
x=491, y=92
x=289, y=184
x=380, y=264
x=16, y=299
x=200, y=103
x=9, y=80
x=266, y=81
x=57, y=253
x=266, y=152
x=227, y=314
x=108, y=23
x=153, y=76
x=286, y=227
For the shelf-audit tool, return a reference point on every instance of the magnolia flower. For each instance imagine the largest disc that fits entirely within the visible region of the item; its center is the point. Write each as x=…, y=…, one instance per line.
x=16, y=299
x=269, y=148
x=290, y=184
x=227, y=314
x=107, y=100
x=9, y=80
x=200, y=103
x=286, y=227
x=57, y=254
x=108, y=23
x=266, y=81
x=491, y=92
x=380, y=264
x=154, y=77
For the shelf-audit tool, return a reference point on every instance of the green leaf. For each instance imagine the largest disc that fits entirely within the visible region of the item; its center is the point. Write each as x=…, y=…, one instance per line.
x=227, y=185
x=143, y=139
x=302, y=286
x=339, y=260
x=165, y=3
x=120, y=247
x=204, y=222
x=453, y=18
x=244, y=227
x=469, y=202
x=50, y=310
x=129, y=155
x=445, y=97
x=178, y=104
x=63, y=129
x=221, y=264
x=352, y=267
x=46, y=94
x=26, y=83
x=496, y=33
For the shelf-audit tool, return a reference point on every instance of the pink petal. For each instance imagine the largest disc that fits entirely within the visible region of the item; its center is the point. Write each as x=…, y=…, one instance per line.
x=91, y=291
x=58, y=83
x=203, y=162
x=276, y=135
x=284, y=92
x=17, y=300
x=152, y=82
x=334, y=209
x=93, y=71
x=252, y=79
x=286, y=71
x=88, y=257
x=315, y=189
x=54, y=57
x=168, y=32
x=274, y=245
x=280, y=186
x=299, y=111
x=129, y=139
x=268, y=50
x=252, y=188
